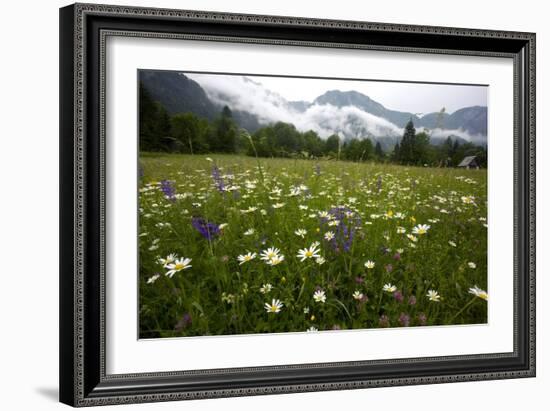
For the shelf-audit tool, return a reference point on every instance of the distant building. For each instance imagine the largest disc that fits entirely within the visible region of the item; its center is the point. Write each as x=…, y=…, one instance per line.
x=469, y=162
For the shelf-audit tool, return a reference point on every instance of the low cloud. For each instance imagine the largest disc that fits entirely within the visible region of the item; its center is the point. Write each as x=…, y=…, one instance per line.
x=444, y=133
x=242, y=93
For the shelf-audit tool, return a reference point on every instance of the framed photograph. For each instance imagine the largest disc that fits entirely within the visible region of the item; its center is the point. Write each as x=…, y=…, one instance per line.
x=262, y=204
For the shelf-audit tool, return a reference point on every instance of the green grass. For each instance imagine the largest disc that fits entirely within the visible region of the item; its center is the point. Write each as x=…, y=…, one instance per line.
x=218, y=296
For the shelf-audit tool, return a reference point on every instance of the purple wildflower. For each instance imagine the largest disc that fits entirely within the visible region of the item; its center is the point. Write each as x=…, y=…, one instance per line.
x=168, y=189
x=218, y=180
x=422, y=319
x=379, y=183
x=397, y=256
x=389, y=268
x=348, y=225
x=207, y=229
x=317, y=170
x=412, y=300
x=359, y=280
x=384, y=321
x=398, y=295
x=184, y=322
x=404, y=320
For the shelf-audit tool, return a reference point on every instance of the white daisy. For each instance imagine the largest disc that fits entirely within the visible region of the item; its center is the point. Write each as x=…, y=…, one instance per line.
x=478, y=292
x=389, y=288
x=170, y=258
x=178, y=265
x=433, y=296
x=300, y=232
x=472, y=265
x=278, y=259
x=152, y=279
x=266, y=288
x=329, y=235
x=420, y=229
x=370, y=264
x=319, y=296
x=268, y=254
x=320, y=260
x=311, y=252
x=312, y=329
x=250, y=231
x=244, y=258
x=357, y=295
x=274, y=307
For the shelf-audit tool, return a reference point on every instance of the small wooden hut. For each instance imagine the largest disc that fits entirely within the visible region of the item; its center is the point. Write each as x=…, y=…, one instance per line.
x=469, y=162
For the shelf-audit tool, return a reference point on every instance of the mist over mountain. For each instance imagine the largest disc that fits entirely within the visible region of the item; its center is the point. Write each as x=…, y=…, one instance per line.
x=349, y=114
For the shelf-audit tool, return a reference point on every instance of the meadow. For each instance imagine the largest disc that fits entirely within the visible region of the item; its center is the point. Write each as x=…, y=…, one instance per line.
x=231, y=244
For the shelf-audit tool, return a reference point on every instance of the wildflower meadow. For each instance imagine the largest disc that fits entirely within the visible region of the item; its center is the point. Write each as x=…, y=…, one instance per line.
x=231, y=244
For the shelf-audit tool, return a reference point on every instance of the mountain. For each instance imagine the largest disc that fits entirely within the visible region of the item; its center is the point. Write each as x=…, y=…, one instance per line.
x=350, y=114
x=178, y=93
x=353, y=98
x=471, y=119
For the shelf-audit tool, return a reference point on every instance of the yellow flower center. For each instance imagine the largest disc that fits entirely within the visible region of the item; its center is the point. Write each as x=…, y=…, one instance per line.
x=179, y=266
x=308, y=253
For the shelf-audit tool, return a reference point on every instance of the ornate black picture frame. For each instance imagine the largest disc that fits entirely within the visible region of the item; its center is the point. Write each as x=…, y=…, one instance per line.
x=83, y=31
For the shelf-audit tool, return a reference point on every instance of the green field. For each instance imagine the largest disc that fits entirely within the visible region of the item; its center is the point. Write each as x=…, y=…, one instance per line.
x=376, y=264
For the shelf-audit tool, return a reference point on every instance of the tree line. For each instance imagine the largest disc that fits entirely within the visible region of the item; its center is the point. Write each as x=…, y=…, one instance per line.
x=188, y=133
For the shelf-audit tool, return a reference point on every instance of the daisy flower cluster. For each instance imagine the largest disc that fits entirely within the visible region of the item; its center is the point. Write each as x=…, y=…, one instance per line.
x=234, y=245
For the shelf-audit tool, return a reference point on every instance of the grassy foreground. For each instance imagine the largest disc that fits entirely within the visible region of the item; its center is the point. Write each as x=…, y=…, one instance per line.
x=234, y=245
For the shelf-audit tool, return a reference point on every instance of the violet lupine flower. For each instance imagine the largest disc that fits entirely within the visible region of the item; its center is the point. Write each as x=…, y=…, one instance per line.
x=349, y=222
x=317, y=170
x=412, y=300
x=398, y=295
x=207, y=229
x=422, y=319
x=218, y=180
x=404, y=320
x=384, y=321
x=168, y=190
x=184, y=322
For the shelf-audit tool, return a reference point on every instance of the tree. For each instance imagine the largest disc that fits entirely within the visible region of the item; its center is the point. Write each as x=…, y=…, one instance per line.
x=154, y=122
x=421, y=149
x=332, y=145
x=313, y=143
x=406, y=148
x=395, y=154
x=366, y=149
x=191, y=131
x=378, y=152
x=352, y=150
x=224, y=132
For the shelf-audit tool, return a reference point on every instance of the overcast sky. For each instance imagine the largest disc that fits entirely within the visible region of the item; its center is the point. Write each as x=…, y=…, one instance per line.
x=409, y=97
